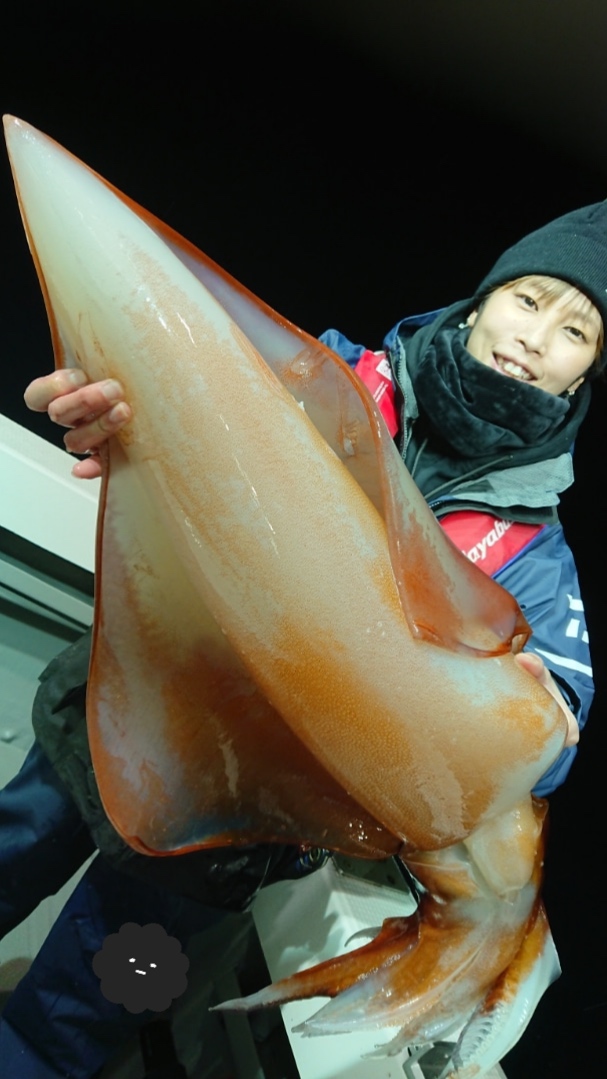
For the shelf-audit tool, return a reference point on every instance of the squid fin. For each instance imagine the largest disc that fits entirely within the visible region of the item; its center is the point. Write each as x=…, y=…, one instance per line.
x=444, y=598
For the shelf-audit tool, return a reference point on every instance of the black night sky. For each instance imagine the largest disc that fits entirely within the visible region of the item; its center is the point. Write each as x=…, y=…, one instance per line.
x=352, y=166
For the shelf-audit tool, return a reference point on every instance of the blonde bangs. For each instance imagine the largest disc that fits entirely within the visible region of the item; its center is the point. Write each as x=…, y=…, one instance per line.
x=554, y=289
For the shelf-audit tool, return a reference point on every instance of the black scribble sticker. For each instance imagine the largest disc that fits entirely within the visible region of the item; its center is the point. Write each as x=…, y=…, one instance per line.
x=141, y=967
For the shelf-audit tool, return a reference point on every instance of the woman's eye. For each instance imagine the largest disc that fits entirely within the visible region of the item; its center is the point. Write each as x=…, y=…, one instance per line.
x=576, y=332
x=527, y=301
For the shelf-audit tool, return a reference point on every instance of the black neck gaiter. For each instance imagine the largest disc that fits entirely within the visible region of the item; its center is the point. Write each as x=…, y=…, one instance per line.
x=476, y=410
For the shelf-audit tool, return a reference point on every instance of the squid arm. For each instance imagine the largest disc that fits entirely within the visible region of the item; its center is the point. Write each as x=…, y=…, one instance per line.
x=286, y=644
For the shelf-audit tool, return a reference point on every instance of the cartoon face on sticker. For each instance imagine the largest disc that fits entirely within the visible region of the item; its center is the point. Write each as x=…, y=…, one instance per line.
x=141, y=967
x=142, y=964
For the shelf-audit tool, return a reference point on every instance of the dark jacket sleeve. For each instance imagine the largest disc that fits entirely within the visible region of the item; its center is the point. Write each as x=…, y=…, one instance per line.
x=543, y=579
x=223, y=877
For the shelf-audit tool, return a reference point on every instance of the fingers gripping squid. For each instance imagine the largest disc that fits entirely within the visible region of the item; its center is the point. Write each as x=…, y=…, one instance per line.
x=287, y=647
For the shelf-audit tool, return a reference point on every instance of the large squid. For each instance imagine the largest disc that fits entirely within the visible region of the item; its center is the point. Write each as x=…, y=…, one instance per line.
x=287, y=647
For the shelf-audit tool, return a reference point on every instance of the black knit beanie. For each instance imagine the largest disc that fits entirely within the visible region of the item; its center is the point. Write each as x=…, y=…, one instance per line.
x=572, y=248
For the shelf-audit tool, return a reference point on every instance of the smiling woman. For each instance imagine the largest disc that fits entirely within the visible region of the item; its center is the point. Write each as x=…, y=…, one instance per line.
x=489, y=453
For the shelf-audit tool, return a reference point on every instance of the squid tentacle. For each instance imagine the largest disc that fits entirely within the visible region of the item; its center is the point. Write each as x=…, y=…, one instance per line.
x=471, y=961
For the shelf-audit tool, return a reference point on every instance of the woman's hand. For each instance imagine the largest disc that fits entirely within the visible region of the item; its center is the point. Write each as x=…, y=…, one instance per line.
x=534, y=665
x=94, y=411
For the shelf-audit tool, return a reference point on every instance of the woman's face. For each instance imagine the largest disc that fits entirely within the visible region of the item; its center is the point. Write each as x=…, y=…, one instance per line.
x=526, y=332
